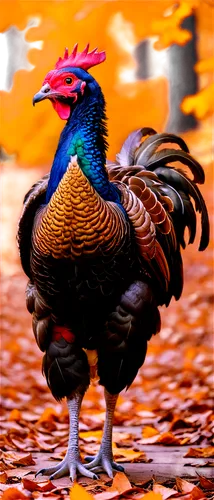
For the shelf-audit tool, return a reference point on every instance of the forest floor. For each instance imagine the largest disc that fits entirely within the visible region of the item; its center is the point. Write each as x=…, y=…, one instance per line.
x=163, y=423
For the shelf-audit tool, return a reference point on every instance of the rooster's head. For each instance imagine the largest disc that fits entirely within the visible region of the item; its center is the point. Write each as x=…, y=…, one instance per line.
x=69, y=81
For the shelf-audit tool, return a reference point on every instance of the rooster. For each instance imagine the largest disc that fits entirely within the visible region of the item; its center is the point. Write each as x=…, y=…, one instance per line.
x=100, y=243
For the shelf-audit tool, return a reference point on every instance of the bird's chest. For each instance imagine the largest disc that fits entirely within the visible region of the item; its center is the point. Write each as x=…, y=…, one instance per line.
x=82, y=294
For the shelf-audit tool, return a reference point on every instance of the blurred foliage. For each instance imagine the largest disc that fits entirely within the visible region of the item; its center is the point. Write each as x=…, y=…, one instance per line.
x=169, y=27
x=202, y=104
x=32, y=134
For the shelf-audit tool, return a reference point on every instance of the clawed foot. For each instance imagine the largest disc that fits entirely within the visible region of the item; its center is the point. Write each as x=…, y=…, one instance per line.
x=67, y=468
x=103, y=461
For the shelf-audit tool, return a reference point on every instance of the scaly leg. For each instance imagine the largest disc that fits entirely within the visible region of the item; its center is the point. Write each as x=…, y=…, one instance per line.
x=104, y=458
x=71, y=464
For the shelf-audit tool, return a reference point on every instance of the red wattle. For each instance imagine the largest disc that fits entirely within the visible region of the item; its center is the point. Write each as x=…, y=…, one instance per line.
x=62, y=331
x=62, y=109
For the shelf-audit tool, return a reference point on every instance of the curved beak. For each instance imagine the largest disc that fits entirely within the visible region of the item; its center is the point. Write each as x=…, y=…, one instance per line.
x=44, y=93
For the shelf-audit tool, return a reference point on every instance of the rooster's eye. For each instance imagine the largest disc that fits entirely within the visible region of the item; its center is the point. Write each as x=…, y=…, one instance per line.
x=68, y=81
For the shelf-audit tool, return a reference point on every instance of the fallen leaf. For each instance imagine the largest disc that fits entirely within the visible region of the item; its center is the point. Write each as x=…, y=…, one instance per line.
x=165, y=492
x=37, y=486
x=25, y=460
x=127, y=455
x=3, y=477
x=90, y=436
x=148, y=432
x=105, y=495
x=15, y=415
x=14, y=494
x=48, y=415
x=149, y=440
x=151, y=496
x=169, y=439
x=121, y=483
x=77, y=492
x=205, y=483
x=2, y=466
x=187, y=487
x=206, y=452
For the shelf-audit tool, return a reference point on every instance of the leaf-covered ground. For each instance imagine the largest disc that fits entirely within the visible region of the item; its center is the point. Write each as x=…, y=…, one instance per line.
x=169, y=403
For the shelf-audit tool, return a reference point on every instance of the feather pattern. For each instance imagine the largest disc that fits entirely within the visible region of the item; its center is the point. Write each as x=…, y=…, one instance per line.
x=126, y=155
x=172, y=155
x=184, y=185
x=34, y=198
x=151, y=144
x=172, y=189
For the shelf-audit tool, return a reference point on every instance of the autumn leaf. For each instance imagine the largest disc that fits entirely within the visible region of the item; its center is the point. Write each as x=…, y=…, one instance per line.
x=168, y=28
x=24, y=460
x=13, y=494
x=121, y=483
x=77, y=492
x=201, y=104
x=3, y=466
x=205, y=66
x=106, y=495
x=206, y=452
x=165, y=492
x=3, y=477
x=37, y=486
x=91, y=436
x=151, y=496
x=187, y=487
x=15, y=415
x=48, y=415
x=168, y=438
x=127, y=455
x=206, y=483
x=148, y=432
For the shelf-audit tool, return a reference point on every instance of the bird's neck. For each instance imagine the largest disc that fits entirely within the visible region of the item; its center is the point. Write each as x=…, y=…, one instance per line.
x=85, y=136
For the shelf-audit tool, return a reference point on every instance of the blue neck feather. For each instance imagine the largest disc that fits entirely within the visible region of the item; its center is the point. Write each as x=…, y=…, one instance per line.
x=85, y=135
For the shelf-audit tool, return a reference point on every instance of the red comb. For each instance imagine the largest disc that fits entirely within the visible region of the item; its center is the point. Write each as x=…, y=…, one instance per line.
x=84, y=59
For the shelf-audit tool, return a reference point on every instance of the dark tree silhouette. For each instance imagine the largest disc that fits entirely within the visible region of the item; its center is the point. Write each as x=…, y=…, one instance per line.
x=177, y=64
x=183, y=79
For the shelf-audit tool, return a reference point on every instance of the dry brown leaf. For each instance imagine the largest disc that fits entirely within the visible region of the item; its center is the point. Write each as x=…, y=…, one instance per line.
x=169, y=439
x=15, y=415
x=37, y=486
x=148, y=432
x=149, y=440
x=14, y=494
x=90, y=436
x=187, y=487
x=77, y=492
x=106, y=495
x=9, y=457
x=121, y=483
x=207, y=452
x=165, y=492
x=3, y=466
x=48, y=415
x=127, y=455
x=207, y=484
x=3, y=477
x=151, y=496
x=24, y=460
